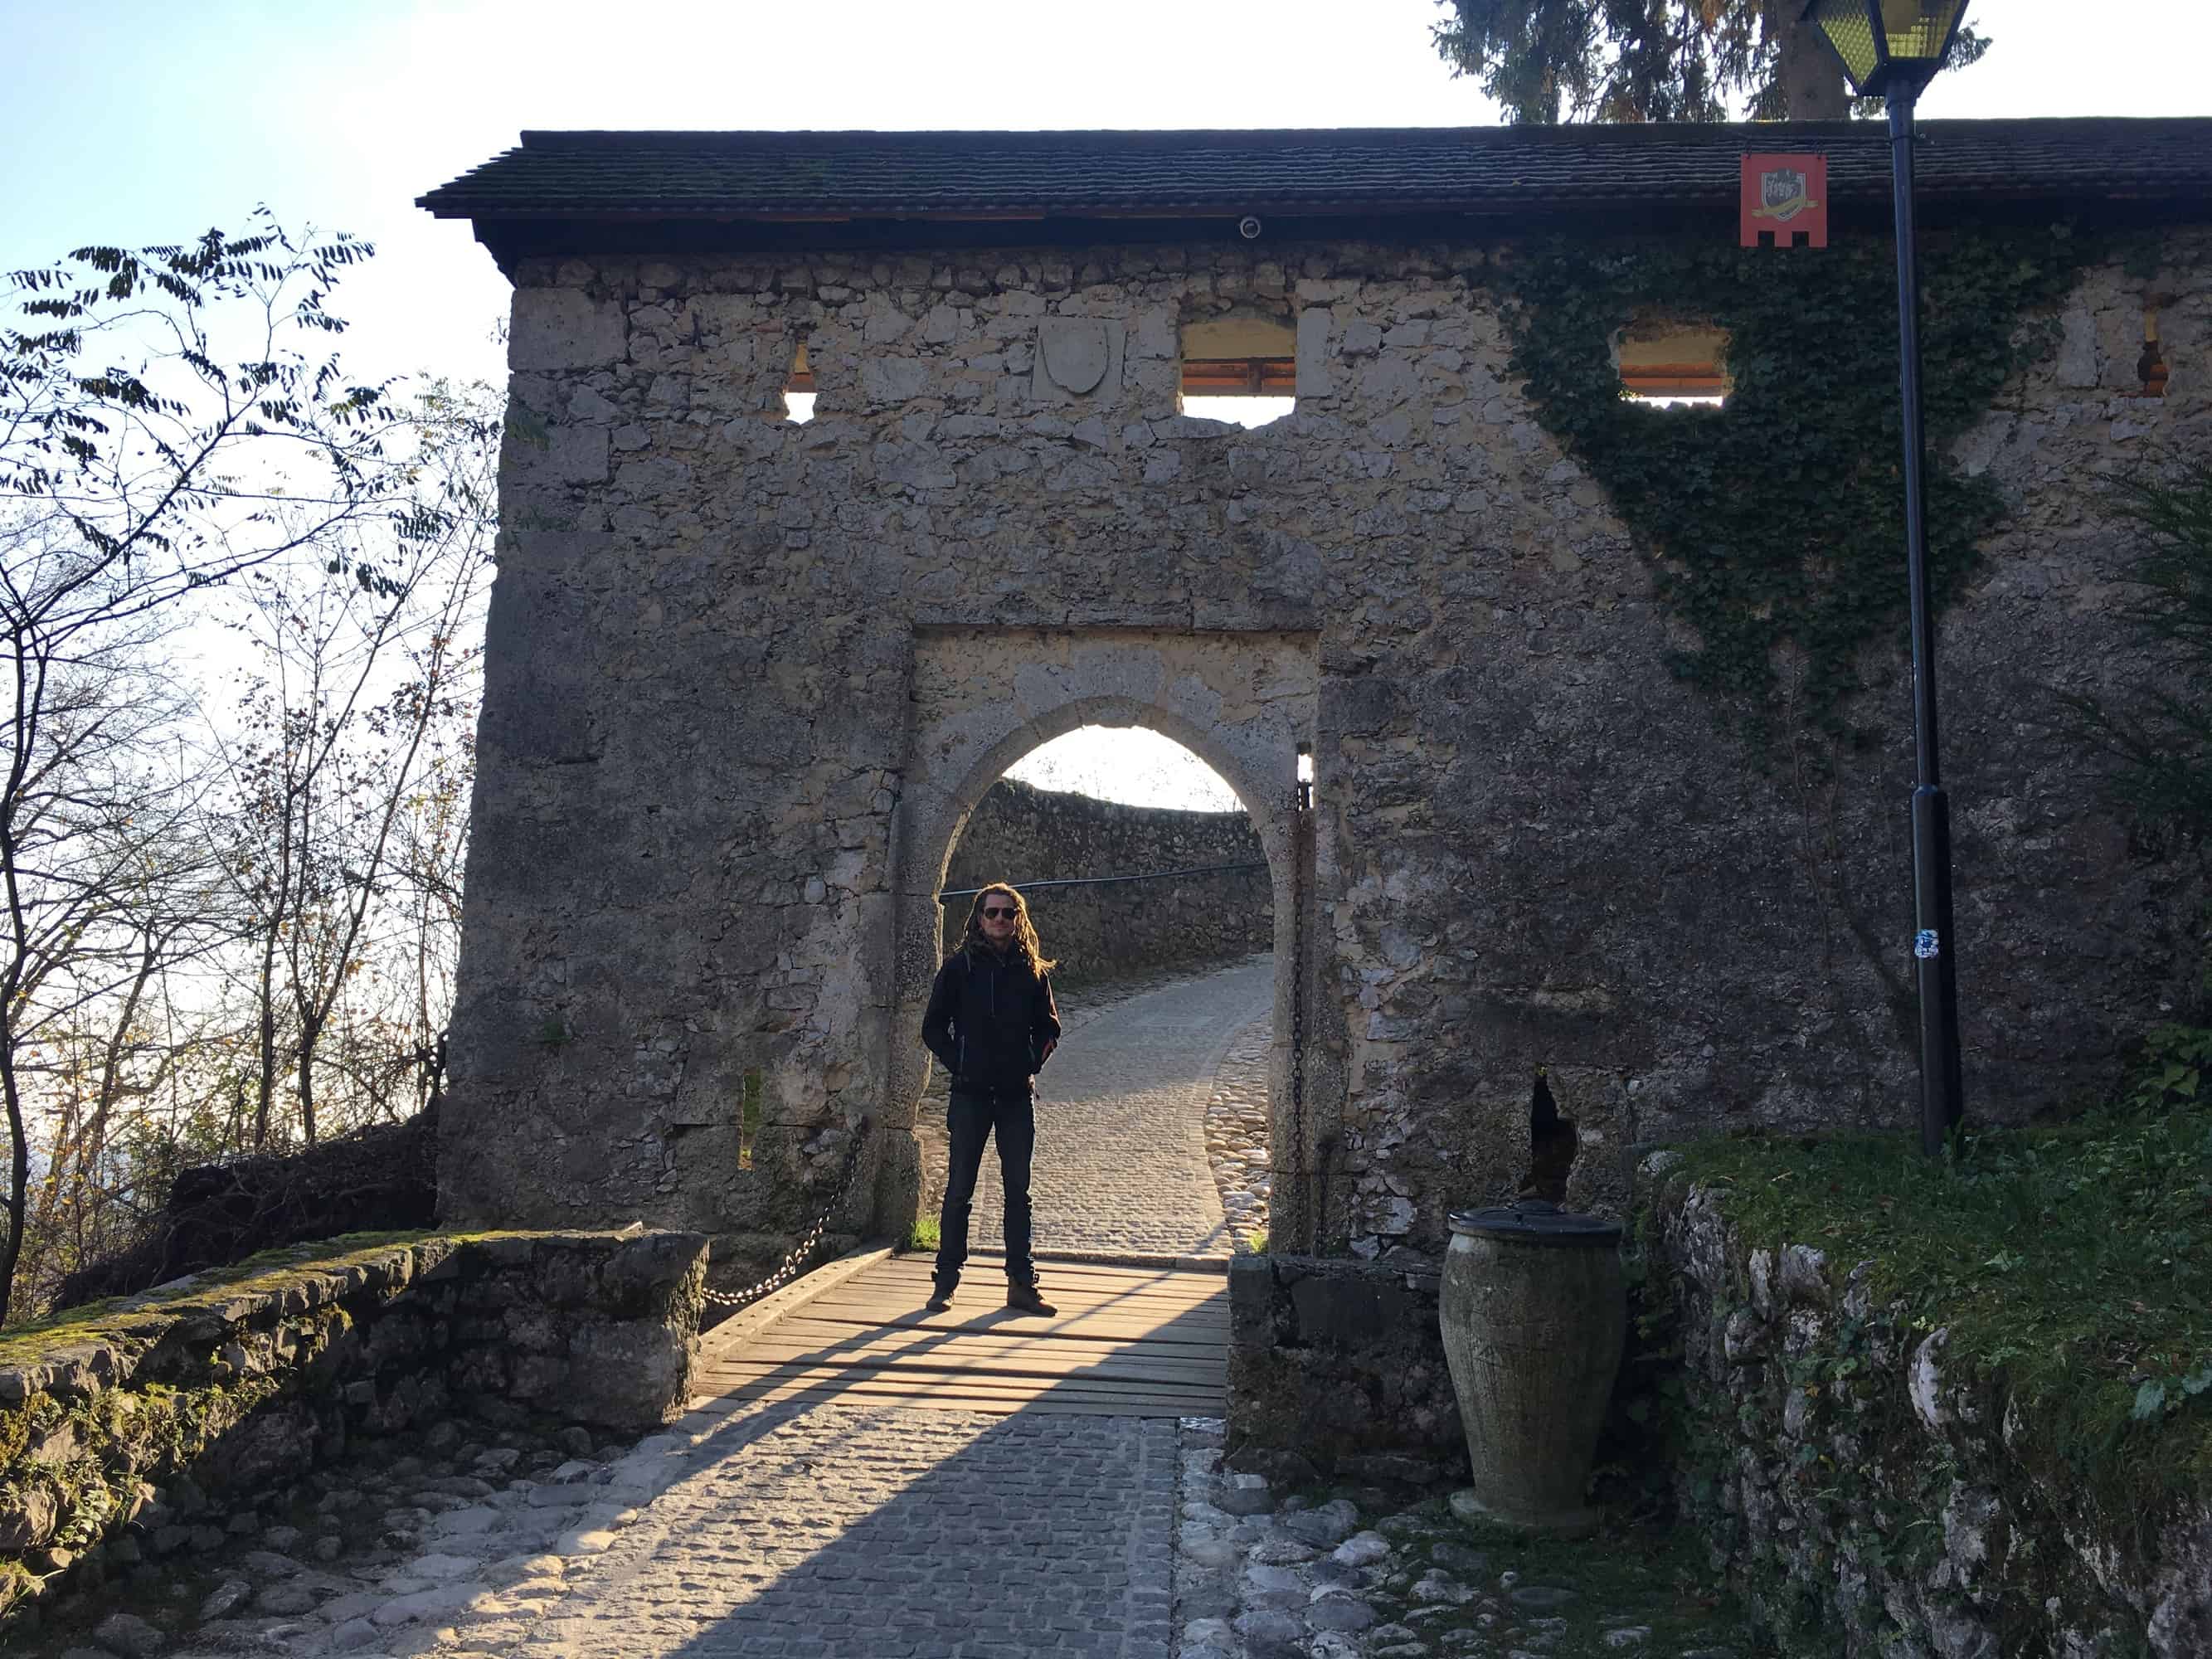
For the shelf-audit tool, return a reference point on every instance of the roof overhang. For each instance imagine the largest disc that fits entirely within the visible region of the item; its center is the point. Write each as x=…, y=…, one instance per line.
x=566, y=192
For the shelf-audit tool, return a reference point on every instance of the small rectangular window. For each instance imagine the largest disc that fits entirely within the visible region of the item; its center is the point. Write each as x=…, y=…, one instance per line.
x=1664, y=362
x=799, y=390
x=2150, y=367
x=1240, y=368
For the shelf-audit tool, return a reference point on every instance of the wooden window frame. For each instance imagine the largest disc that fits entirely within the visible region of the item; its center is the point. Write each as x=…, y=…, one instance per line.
x=1675, y=380
x=1240, y=377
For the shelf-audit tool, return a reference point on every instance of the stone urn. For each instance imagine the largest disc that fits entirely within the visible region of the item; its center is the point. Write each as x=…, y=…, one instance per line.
x=1535, y=1311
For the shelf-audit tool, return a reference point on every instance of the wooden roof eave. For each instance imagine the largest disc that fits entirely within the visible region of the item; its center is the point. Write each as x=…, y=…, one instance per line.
x=2179, y=191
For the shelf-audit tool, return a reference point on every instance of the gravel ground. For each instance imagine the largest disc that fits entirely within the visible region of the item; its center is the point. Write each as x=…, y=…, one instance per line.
x=373, y=1555
x=1366, y=1572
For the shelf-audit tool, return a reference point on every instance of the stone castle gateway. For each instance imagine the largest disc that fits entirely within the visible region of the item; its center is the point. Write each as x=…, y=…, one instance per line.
x=748, y=675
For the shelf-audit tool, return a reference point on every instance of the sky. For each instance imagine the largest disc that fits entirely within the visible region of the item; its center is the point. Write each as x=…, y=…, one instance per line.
x=141, y=121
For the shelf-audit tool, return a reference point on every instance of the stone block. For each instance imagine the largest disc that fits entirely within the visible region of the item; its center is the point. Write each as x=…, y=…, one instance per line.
x=886, y=382
x=2076, y=365
x=1244, y=1494
x=1350, y=1313
x=26, y=1518
x=561, y=455
x=127, y=1634
x=1079, y=360
x=563, y=328
x=634, y=1375
x=1314, y=376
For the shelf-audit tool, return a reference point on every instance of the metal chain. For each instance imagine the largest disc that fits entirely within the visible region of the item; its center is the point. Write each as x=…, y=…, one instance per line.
x=1301, y=819
x=796, y=1258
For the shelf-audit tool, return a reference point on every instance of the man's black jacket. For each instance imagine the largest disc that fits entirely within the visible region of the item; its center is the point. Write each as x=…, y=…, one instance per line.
x=989, y=1020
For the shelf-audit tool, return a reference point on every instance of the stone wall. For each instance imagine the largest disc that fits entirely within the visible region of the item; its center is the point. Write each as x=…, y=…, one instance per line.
x=1880, y=1502
x=1103, y=931
x=1337, y=1367
x=746, y=677
x=245, y=1380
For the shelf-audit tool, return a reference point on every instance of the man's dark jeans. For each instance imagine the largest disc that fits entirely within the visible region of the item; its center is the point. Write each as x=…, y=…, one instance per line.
x=972, y=1116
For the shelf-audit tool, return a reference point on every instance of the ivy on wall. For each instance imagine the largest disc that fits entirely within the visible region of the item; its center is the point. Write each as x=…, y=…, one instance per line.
x=1776, y=520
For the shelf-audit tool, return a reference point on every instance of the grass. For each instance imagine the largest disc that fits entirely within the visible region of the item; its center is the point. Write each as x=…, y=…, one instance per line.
x=2072, y=1266
x=923, y=1234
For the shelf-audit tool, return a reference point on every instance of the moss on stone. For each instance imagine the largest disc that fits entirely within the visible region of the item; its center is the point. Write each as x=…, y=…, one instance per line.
x=77, y=1457
x=1996, y=1373
x=147, y=1314
x=2072, y=1266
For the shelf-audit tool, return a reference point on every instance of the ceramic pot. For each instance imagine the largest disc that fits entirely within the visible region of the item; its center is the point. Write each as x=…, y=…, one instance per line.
x=1535, y=1311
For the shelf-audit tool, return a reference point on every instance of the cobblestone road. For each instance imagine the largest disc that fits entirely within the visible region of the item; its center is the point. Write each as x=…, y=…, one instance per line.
x=1236, y=1131
x=854, y=1532
x=1121, y=1157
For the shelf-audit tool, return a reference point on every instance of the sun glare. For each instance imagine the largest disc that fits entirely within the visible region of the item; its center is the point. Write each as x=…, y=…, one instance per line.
x=1128, y=764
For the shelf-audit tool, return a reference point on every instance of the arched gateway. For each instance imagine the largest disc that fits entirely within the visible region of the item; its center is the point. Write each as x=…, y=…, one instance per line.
x=984, y=697
x=747, y=675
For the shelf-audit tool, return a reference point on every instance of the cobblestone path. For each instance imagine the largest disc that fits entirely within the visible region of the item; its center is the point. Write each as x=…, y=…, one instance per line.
x=1121, y=1160
x=841, y=1532
x=881, y=1532
x=1236, y=1131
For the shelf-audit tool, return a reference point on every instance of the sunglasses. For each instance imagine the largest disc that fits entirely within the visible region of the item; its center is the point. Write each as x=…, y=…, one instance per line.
x=996, y=911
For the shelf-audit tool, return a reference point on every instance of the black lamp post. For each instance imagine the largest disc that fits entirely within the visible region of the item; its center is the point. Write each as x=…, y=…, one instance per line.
x=1890, y=49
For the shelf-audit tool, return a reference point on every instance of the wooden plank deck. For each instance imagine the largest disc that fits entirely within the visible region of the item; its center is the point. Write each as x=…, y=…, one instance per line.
x=1127, y=1341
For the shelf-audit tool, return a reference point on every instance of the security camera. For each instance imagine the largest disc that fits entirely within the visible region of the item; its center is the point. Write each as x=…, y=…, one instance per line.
x=1249, y=228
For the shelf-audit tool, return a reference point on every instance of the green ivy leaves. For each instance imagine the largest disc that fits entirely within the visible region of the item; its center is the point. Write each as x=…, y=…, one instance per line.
x=2158, y=1396
x=1775, y=525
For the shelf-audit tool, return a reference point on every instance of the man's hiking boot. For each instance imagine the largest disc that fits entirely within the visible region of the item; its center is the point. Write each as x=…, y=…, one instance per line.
x=1024, y=1298
x=941, y=1298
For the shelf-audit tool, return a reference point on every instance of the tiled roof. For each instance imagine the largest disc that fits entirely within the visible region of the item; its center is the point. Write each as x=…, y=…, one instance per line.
x=1362, y=171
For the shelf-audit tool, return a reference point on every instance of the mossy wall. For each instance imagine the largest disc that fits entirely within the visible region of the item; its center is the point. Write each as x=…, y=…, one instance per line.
x=1875, y=1491
x=240, y=1380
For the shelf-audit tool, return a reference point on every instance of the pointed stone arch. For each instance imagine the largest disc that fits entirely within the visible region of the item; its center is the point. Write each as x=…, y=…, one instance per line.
x=985, y=697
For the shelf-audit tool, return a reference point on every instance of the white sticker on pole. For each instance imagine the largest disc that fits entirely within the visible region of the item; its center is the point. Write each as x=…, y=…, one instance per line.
x=1924, y=944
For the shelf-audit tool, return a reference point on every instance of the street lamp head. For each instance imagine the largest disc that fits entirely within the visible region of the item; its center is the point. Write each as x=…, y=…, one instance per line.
x=1887, y=47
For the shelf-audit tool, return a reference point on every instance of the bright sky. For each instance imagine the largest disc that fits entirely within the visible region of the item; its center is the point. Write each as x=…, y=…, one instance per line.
x=1126, y=763
x=138, y=121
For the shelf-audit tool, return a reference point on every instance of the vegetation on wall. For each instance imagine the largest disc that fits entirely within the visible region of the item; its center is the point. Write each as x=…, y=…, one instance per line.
x=1774, y=522
x=2066, y=1268
x=2153, y=734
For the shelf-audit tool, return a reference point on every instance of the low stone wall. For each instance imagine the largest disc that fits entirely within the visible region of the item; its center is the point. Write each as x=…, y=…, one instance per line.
x=244, y=1381
x=1859, y=1486
x=1103, y=931
x=1336, y=1366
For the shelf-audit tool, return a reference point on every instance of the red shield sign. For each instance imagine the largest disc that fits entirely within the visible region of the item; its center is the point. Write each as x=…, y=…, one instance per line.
x=1784, y=198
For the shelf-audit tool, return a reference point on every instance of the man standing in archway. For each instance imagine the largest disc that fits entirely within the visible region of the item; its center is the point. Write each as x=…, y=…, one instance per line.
x=991, y=1023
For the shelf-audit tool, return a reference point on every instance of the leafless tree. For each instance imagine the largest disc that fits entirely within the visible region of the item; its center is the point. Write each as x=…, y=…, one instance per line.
x=163, y=431
x=102, y=864
x=351, y=773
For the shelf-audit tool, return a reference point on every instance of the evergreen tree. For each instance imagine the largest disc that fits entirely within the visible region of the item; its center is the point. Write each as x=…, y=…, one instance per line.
x=1547, y=61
